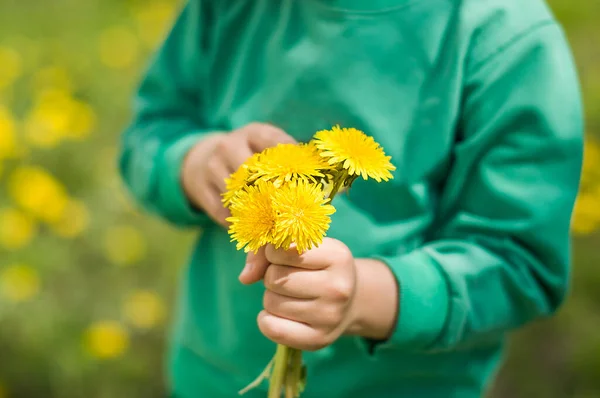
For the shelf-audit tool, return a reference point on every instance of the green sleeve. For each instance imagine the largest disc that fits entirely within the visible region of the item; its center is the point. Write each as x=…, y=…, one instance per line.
x=168, y=120
x=500, y=255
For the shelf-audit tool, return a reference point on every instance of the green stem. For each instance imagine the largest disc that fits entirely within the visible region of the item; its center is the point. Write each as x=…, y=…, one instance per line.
x=336, y=187
x=256, y=382
x=278, y=376
x=295, y=383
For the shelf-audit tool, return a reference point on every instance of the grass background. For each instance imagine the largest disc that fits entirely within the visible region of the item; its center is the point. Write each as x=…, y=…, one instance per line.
x=86, y=281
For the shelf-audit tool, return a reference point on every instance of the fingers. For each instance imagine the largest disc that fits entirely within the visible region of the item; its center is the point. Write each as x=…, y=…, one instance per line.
x=217, y=172
x=255, y=268
x=289, y=308
x=235, y=156
x=329, y=251
x=313, y=312
x=291, y=333
x=211, y=203
x=261, y=136
x=293, y=282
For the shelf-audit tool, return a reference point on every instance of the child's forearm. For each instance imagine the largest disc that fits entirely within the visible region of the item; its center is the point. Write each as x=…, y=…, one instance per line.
x=376, y=300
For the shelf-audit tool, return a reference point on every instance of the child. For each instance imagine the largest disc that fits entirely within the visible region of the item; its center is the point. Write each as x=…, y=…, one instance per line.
x=421, y=278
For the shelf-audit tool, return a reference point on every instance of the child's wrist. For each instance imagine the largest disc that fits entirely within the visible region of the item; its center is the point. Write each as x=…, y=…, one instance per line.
x=375, y=305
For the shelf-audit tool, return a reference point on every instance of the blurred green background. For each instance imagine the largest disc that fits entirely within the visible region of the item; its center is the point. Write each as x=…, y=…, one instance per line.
x=86, y=282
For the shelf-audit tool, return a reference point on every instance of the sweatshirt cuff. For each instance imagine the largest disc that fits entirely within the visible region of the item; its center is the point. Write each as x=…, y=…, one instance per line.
x=181, y=210
x=423, y=302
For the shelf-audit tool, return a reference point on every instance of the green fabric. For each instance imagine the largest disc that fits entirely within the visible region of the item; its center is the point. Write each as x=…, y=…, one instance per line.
x=478, y=104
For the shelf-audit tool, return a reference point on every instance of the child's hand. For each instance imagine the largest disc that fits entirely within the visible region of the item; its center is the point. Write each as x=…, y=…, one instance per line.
x=214, y=158
x=309, y=299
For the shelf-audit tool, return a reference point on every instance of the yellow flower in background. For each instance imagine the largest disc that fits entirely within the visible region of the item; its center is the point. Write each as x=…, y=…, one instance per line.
x=153, y=19
x=124, y=245
x=591, y=164
x=19, y=283
x=106, y=340
x=144, y=309
x=57, y=116
x=10, y=66
x=74, y=221
x=38, y=192
x=252, y=217
x=285, y=162
x=8, y=141
x=17, y=229
x=238, y=180
x=586, y=215
x=118, y=48
x=302, y=215
x=52, y=77
x=355, y=151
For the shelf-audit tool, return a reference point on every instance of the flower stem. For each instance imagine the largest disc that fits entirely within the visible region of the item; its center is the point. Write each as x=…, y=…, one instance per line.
x=294, y=383
x=336, y=187
x=264, y=375
x=280, y=370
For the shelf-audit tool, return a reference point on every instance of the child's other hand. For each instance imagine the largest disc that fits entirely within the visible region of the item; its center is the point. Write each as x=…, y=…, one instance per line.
x=308, y=302
x=215, y=157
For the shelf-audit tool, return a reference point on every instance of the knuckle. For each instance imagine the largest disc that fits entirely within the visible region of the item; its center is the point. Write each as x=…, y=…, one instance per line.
x=277, y=256
x=340, y=289
x=270, y=253
x=253, y=126
x=213, y=163
x=222, y=145
x=275, y=277
x=250, y=129
x=270, y=277
x=332, y=314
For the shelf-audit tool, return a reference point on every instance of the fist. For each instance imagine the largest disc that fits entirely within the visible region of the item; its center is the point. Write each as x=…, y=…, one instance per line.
x=309, y=297
x=215, y=157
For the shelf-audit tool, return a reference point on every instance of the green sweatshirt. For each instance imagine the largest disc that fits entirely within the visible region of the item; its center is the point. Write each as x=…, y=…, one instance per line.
x=477, y=102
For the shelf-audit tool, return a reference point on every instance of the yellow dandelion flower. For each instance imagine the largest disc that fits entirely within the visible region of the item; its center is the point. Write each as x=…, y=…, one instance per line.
x=10, y=66
x=8, y=142
x=74, y=221
x=144, y=309
x=302, y=215
x=355, y=151
x=285, y=162
x=118, y=48
x=586, y=215
x=106, y=340
x=38, y=192
x=17, y=229
x=238, y=180
x=124, y=245
x=19, y=283
x=591, y=163
x=252, y=217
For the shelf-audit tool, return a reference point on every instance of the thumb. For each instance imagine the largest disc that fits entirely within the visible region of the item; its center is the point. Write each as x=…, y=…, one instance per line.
x=262, y=136
x=256, y=266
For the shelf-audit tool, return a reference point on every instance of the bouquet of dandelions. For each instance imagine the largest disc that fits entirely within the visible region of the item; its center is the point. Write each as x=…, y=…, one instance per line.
x=282, y=196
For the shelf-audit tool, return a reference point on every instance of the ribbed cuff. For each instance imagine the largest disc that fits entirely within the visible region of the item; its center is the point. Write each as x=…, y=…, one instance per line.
x=423, y=303
x=180, y=209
